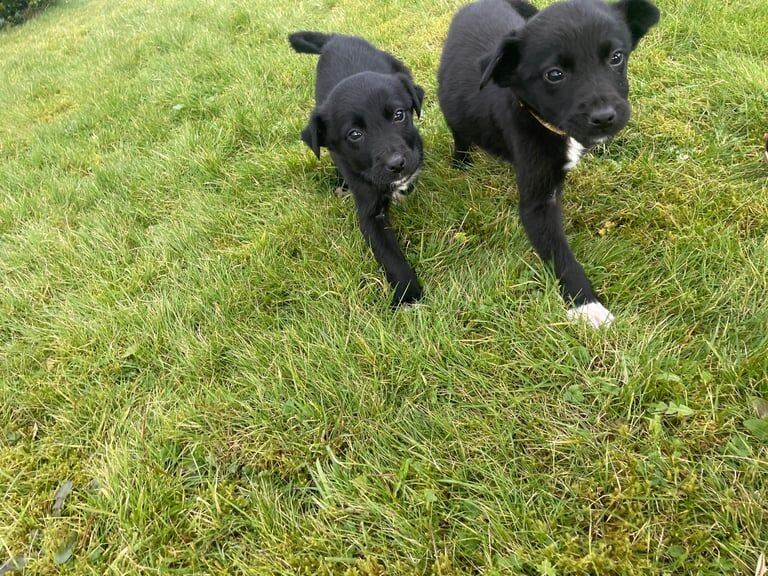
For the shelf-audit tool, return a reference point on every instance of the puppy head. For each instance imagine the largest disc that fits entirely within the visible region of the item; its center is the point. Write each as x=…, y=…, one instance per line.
x=367, y=124
x=569, y=64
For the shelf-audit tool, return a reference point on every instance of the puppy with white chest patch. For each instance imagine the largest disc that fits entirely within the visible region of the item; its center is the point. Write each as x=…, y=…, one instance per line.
x=538, y=89
x=364, y=105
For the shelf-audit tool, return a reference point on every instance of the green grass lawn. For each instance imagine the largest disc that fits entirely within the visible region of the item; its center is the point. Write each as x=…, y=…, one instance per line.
x=193, y=332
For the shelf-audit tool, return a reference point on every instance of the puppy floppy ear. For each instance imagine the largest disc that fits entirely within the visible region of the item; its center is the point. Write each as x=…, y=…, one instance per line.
x=501, y=65
x=415, y=91
x=640, y=16
x=313, y=134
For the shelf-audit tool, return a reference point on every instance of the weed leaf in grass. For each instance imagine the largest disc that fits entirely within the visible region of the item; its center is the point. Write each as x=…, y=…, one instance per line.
x=13, y=565
x=429, y=496
x=61, y=494
x=738, y=445
x=96, y=553
x=12, y=437
x=673, y=409
x=546, y=569
x=574, y=394
x=669, y=378
x=758, y=427
x=676, y=552
x=67, y=548
x=402, y=476
x=761, y=407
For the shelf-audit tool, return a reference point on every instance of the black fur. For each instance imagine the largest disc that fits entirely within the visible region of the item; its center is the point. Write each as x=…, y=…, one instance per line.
x=308, y=42
x=363, y=91
x=493, y=86
x=523, y=8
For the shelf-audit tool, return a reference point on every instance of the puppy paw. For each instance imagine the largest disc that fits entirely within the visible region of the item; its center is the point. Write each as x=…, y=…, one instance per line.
x=408, y=294
x=593, y=313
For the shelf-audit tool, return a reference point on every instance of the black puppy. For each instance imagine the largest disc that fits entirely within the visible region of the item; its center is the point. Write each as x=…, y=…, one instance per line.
x=537, y=89
x=364, y=100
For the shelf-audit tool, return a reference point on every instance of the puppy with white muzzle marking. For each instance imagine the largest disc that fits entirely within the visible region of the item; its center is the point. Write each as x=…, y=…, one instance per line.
x=538, y=88
x=364, y=105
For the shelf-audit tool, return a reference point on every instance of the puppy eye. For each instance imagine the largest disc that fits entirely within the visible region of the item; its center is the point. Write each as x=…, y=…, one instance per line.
x=399, y=115
x=354, y=135
x=617, y=58
x=554, y=75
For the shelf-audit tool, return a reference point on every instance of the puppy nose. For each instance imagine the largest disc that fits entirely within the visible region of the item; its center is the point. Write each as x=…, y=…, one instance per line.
x=395, y=163
x=602, y=116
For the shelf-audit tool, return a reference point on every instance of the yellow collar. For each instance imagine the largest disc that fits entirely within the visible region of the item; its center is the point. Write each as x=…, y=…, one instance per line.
x=547, y=125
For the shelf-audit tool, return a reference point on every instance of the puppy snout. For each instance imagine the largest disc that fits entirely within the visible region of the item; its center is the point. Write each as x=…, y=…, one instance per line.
x=395, y=163
x=603, y=117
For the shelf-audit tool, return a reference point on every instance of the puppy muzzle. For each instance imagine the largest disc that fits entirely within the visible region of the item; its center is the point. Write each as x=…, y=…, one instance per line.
x=402, y=187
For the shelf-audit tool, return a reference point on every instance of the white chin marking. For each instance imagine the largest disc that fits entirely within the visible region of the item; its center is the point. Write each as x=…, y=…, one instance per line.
x=400, y=186
x=574, y=152
x=594, y=313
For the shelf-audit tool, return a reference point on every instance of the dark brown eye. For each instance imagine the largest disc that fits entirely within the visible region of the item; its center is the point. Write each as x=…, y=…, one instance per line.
x=399, y=115
x=554, y=75
x=354, y=135
x=617, y=58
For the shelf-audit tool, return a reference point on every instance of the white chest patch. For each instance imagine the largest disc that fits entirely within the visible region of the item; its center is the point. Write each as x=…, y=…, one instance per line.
x=594, y=313
x=574, y=152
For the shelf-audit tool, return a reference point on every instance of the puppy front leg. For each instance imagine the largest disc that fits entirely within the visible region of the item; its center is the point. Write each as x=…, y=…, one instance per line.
x=373, y=217
x=543, y=222
x=462, y=156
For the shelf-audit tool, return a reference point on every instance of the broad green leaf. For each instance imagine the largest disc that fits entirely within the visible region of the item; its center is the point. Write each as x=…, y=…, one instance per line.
x=758, y=427
x=67, y=548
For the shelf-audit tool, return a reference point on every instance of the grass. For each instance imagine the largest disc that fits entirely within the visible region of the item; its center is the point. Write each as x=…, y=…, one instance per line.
x=193, y=332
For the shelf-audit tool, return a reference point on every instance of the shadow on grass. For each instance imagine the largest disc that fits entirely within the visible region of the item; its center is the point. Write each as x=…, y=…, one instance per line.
x=13, y=12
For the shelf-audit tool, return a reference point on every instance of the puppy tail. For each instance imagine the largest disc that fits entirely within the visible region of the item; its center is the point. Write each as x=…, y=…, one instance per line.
x=308, y=42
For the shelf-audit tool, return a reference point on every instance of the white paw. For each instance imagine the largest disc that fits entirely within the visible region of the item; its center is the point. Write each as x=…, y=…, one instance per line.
x=593, y=312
